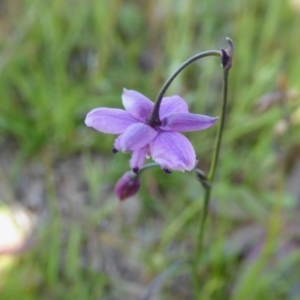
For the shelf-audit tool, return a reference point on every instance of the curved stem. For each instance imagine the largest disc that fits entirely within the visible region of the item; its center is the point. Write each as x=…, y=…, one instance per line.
x=154, y=117
x=147, y=166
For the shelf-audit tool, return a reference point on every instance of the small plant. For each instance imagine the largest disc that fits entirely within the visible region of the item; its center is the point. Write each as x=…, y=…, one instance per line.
x=152, y=130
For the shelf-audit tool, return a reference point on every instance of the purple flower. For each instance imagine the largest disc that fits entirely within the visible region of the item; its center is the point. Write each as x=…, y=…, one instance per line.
x=163, y=143
x=127, y=185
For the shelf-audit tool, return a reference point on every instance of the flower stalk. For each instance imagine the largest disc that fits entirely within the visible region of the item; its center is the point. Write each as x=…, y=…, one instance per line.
x=154, y=119
x=226, y=59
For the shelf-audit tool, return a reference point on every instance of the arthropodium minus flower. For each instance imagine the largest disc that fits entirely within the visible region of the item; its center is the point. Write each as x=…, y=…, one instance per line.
x=127, y=185
x=138, y=133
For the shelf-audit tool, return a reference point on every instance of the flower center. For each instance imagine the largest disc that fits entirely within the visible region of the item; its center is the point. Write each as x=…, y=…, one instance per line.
x=153, y=122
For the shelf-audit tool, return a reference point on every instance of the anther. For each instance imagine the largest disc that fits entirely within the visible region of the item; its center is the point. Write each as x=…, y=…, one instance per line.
x=135, y=170
x=167, y=171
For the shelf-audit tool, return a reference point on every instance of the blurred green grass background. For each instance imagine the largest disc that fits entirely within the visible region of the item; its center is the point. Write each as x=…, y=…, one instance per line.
x=60, y=59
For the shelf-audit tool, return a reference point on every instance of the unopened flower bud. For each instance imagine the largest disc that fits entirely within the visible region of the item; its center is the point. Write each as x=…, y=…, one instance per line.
x=227, y=55
x=127, y=185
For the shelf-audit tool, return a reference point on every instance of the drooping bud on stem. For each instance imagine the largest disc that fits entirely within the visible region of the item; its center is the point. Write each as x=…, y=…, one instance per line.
x=127, y=186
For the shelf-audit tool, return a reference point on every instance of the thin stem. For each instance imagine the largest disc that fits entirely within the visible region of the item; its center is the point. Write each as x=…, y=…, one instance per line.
x=211, y=175
x=148, y=166
x=212, y=170
x=154, y=117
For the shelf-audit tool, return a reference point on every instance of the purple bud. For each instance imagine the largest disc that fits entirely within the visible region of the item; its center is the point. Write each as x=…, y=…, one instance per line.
x=227, y=55
x=127, y=185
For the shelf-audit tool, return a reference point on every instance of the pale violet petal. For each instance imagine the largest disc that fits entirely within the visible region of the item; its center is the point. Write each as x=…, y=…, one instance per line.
x=187, y=122
x=135, y=137
x=171, y=105
x=109, y=120
x=138, y=105
x=117, y=144
x=138, y=158
x=173, y=151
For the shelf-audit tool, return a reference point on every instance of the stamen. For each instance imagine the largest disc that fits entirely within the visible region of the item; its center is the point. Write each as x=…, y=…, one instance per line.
x=167, y=171
x=135, y=170
x=114, y=150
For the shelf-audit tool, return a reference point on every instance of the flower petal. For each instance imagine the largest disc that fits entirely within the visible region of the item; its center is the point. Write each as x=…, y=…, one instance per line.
x=109, y=120
x=187, y=122
x=138, y=105
x=172, y=104
x=138, y=158
x=174, y=151
x=135, y=137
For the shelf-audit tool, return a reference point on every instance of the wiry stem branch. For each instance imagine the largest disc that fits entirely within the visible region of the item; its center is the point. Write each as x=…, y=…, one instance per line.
x=154, y=119
x=227, y=55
